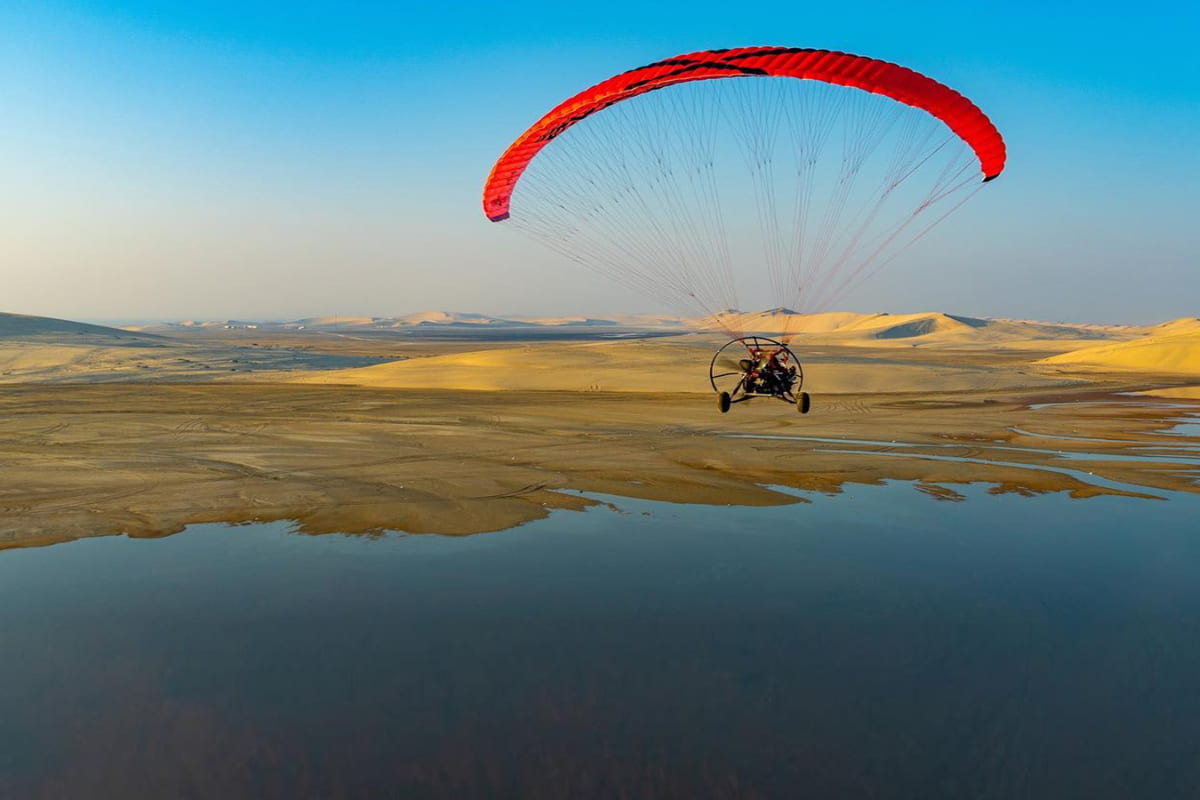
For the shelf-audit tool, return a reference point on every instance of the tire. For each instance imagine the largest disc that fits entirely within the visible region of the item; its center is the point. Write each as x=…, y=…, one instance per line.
x=803, y=403
x=723, y=402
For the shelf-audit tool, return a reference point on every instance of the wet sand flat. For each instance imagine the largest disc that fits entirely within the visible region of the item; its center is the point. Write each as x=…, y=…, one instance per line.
x=149, y=458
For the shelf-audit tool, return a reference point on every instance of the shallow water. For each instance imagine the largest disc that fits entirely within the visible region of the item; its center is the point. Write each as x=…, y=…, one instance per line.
x=874, y=642
x=1186, y=426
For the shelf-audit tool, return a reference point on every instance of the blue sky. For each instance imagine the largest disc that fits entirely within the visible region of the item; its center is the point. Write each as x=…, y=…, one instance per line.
x=271, y=160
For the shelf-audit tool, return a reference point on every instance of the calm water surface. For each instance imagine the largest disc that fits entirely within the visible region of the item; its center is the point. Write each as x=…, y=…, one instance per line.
x=876, y=643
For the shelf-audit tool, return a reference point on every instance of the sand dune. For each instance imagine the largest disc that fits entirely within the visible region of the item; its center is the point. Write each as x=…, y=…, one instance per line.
x=645, y=321
x=889, y=326
x=1177, y=352
x=148, y=434
x=343, y=322
x=47, y=350
x=38, y=348
x=633, y=366
x=44, y=349
x=425, y=319
x=27, y=362
x=443, y=318
x=1181, y=325
x=331, y=323
x=927, y=329
x=677, y=364
x=30, y=328
x=31, y=361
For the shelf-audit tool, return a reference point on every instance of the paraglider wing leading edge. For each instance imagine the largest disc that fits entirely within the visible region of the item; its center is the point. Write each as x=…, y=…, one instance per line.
x=879, y=77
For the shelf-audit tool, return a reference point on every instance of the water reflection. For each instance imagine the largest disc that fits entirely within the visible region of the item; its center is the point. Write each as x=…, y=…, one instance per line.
x=1128, y=463
x=867, y=643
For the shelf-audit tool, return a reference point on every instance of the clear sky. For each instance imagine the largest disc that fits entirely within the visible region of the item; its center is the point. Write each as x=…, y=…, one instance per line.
x=166, y=160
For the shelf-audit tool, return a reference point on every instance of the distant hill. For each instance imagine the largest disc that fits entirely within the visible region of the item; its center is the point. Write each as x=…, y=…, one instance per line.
x=61, y=331
x=420, y=320
x=837, y=328
x=43, y=348
x=648, y=321
x=926, y=329
x=404, y=321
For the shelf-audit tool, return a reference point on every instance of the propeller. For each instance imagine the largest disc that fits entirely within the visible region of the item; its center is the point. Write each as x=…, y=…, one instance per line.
x=735, y=365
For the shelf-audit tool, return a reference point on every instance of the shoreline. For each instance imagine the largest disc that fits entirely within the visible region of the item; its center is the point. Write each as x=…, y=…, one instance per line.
x=148, y=459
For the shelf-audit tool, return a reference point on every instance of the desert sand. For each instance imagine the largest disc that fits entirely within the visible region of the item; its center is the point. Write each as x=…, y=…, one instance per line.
x=1176, y=352
x=374, y=426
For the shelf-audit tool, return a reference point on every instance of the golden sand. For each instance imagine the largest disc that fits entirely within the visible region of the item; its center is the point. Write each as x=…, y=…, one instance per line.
x=470, y=436
x=1176, y=352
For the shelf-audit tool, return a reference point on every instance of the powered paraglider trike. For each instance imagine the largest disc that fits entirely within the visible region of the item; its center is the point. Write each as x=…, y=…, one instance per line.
x=756, y=366
x=777, y=177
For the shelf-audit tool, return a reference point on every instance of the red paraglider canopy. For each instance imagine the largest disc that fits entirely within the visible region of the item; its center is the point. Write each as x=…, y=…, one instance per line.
x=879, y=77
